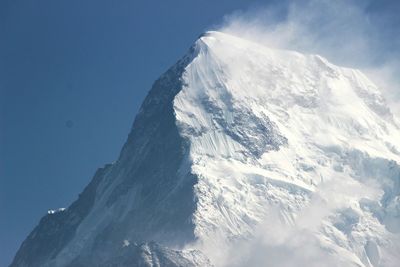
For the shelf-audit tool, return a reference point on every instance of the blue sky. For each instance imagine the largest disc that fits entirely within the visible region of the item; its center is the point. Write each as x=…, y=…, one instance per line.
x=72, y=76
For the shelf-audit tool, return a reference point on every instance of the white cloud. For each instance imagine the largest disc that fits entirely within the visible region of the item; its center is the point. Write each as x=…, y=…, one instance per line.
x=278, y=244
x=342, y=31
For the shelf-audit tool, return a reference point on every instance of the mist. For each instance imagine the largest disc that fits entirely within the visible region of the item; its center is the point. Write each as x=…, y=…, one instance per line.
x=348, y=33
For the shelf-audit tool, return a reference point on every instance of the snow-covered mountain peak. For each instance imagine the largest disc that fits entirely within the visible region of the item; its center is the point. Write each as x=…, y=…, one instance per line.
x=261, y=121
x=296, y=90
x=234, y=143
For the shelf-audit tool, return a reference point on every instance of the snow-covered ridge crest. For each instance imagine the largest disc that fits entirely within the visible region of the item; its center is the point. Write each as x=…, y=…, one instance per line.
x=245, y=150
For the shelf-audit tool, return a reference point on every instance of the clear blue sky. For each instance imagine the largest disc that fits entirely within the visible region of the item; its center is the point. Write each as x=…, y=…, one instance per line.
x=72, y=76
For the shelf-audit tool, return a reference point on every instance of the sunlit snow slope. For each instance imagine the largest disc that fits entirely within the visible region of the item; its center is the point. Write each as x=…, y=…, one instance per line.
x=241, y=155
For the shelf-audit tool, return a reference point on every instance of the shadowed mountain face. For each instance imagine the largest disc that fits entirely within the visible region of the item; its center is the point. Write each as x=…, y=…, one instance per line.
x=146, y=195
x=234, y=138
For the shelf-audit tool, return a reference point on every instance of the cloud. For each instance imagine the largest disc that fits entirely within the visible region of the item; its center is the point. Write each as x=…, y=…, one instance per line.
x=349, y=33
x=278, y=244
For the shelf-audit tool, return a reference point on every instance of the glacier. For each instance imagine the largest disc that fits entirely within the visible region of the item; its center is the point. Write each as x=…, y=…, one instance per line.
x=241, y=155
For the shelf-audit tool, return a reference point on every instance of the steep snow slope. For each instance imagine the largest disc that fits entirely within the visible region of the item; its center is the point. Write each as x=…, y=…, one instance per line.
x=235, y=143
x=268, y=128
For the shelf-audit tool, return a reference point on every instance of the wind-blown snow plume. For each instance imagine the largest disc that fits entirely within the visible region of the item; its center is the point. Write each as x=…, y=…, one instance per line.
x=348, y=33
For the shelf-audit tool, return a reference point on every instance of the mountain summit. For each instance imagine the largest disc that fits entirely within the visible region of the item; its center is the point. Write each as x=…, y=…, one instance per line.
x=241, y=155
